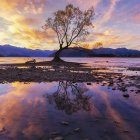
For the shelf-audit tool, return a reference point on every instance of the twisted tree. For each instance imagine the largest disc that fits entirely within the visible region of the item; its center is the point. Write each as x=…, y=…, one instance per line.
x=70, y=97
x=70, y=26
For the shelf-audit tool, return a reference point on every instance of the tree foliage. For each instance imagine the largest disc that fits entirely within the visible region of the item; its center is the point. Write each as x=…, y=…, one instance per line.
x=70, y=24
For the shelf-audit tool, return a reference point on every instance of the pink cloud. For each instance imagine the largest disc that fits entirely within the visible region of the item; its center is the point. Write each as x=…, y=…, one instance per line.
x=110, y=11
x=136, y=18
x=108, y=14
x=85, y=4
x=28, y=6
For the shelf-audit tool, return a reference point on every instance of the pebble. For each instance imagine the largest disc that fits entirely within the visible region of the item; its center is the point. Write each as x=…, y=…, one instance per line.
x=77, y=129
x=125, y=131
x=58, y=138
x=88, y=83
x=55, y=133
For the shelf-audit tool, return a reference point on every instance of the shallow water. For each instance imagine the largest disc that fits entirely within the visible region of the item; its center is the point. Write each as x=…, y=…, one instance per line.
x=35, y=111
x=97, y=61
x=114, y=64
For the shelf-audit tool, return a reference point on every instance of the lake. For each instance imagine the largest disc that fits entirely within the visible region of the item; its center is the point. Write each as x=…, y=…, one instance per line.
x=71, y=111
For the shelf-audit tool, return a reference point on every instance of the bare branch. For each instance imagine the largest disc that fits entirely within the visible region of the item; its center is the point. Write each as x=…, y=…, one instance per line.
x=70, y=24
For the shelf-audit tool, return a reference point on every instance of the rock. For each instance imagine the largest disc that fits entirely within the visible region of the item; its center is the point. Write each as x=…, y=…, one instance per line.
x=125, y=131
x=131, y=90
x=126, y=95
x=138, y=91
x=88, y=83
x=113, y=88
x=64, y=123
x=77, y=129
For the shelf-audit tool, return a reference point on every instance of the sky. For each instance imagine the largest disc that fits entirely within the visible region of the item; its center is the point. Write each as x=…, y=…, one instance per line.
x=116, y=23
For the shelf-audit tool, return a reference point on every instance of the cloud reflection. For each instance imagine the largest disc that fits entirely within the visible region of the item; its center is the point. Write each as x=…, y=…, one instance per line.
x=25, y=112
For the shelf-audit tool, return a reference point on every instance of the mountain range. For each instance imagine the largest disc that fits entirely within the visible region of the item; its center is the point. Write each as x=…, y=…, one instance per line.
x=12, y=51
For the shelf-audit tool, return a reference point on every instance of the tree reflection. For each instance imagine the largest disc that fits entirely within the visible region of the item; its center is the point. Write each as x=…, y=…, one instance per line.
x=70, y=97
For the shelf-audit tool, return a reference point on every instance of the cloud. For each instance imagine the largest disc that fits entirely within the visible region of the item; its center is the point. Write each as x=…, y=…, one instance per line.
x=109, y=12
x=136, y=18
x=127, y=14
x=27, y=6
x=108, y=39
x=85, y=3
x=29, y=21
x=35, y=6
x=21, y=22
x=107, y=15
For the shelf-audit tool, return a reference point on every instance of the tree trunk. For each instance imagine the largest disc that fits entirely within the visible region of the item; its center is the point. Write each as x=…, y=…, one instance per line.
x=57, y=54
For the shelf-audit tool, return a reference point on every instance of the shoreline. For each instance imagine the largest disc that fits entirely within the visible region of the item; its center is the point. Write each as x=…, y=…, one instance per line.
x=49, y=71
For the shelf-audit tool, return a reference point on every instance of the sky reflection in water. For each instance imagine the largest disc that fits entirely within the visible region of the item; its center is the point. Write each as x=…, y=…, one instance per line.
x=34, y=110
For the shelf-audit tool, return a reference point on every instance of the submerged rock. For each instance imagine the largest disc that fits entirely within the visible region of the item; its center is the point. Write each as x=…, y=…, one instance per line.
x=77, y=129
x=124, y=89
x=113, y=88
x=126, y=95
x=64, y=123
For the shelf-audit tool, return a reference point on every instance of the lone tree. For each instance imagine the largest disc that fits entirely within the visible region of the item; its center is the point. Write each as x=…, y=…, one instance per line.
x=70, y=26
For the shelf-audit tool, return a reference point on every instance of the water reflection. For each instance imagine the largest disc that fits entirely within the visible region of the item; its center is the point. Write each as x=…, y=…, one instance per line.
x=33, y=111
x=70, y=97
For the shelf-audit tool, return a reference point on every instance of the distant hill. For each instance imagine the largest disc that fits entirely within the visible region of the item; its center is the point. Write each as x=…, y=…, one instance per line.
x=119, y=52
x=12, y=51
x=75, y=52
x=99, y=52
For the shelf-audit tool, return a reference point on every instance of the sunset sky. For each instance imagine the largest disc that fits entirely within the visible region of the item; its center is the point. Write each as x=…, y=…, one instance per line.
x=117, y=22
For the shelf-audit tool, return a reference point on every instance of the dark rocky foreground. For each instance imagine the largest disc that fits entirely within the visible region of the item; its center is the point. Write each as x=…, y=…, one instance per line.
x=43, y=72
x=67, y=71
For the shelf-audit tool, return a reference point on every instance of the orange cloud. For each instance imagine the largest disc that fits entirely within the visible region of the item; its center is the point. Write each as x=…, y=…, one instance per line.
x=20, y=29
x=32, y=6
x=29, y=21
x=109, y=39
